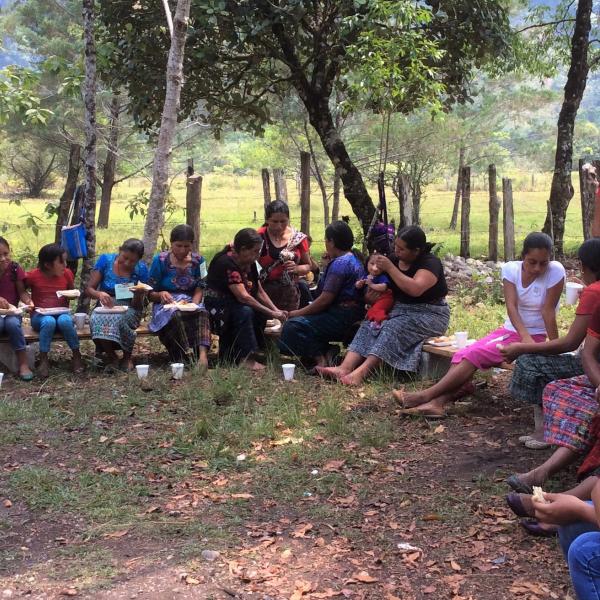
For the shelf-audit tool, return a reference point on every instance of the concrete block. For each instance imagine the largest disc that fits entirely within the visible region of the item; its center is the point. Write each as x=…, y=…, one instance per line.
x=8, y=359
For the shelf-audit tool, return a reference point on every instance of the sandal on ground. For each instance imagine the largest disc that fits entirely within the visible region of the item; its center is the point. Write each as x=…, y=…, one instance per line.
x=26, y=376
x=519, y=486
x=516, y=504
x=534, y=444
x=411, y=412
x=524, y=438
x=534, y=528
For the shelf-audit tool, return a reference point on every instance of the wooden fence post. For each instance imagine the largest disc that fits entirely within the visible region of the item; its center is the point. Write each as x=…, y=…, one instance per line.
x=190, y=167
x=587, y=191
x=193, y=202
x=266, y=186
x=280, y=185
x=406, y=206
x=494, y=210
x=305, y=192
x=465, y=210
x=508, y=217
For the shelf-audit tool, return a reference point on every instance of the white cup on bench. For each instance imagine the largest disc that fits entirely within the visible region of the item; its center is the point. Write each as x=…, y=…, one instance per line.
x=79, y=319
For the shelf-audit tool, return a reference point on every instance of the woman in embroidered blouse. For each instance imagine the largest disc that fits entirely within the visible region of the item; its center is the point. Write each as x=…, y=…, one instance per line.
x=284, y=257
x=111, y=278
x=178, y=276
x=237, y=304
x=338, y=304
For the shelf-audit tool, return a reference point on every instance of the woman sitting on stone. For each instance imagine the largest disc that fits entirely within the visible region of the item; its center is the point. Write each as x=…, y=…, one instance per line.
x=110, y=281
x=538, y=364
x=284, y=257
x=532, y=288
x=177, y=277
x=419, y=312
x=338, y=304
x=237, y=304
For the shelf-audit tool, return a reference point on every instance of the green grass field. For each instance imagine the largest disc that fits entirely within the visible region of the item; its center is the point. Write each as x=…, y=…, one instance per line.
x=232, y=202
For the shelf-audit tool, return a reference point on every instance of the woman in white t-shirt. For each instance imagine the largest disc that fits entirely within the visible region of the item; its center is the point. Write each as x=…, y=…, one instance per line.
x=532, y=288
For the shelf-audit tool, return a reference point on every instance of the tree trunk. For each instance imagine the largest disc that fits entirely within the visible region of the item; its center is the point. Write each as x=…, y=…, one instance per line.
x=561, y=190
x=305, y=192
x=280, y=185
x=355, y=189
x=89, y=99
x=318, y=176
x=465, y=212
x=160, y=170
x=587, y=192
x=266, y=188
x=193, y=205
x=110, y=164
x=508, y=219
x=494, y=208
x=404, y=196
x=335, y=206
x=70, y=186
x=457, y=193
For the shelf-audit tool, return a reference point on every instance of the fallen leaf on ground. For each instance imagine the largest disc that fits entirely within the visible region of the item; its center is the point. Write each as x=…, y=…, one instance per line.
x=192, y=580
x=333, y=465
x=287, y=440
x=121, y=441
x=116, y=534
x=439, y=429
x=242, y=496
x=302, y=530
x=363, y=577
x=7, y=503
x=69, y=592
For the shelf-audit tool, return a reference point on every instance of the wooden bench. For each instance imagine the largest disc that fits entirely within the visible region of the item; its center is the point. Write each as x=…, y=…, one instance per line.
x=436, y=360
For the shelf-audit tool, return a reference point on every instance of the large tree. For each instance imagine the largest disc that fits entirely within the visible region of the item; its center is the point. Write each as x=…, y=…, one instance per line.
x=385, y=54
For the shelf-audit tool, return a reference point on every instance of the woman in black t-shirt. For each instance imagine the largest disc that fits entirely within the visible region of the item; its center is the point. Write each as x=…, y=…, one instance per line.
x=420, y=312
x=236, y=302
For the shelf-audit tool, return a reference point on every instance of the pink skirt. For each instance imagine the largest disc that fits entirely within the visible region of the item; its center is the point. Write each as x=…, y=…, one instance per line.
x=484, y=354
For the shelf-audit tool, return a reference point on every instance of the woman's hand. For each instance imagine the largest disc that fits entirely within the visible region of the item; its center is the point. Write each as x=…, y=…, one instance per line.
x=360, y=284
x=4, y=303
x=280, y=315
x=289, y=266
x=105, y=299
x=383, y=263
x=165, y=297
x=559, y=509
x=292, y=313
x=511, y=351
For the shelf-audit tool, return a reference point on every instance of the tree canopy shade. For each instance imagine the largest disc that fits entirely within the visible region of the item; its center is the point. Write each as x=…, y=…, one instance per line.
x=388, y=55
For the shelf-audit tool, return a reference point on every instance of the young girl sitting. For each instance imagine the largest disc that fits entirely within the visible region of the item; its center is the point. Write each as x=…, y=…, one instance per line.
x=532, y=288
x=50, y=277
x=12, y=290
x=378, y=295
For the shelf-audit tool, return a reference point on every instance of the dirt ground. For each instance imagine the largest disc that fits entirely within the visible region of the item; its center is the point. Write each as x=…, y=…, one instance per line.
x=388, y=508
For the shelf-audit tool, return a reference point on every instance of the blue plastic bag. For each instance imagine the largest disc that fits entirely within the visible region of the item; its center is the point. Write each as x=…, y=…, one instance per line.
x=72, y=239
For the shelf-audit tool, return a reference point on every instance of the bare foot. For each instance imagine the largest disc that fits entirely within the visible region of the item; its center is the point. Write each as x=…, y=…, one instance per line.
x=410, y=399
x=253, y=366
x=533, y=477
x=76, y=362
x=351, y=379
x=399, y=396
x=428, y=409
x=25, y=372
x=43, y=370
x=331, y=372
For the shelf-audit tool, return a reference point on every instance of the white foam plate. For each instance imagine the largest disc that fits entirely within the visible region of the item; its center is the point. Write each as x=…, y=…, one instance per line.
x=115, y=310
x=11, y=311
x=183, y=307
x=59, y=310
x=68, y=293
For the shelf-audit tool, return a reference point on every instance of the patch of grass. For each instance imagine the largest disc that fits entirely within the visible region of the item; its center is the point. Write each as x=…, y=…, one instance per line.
x=89, y=567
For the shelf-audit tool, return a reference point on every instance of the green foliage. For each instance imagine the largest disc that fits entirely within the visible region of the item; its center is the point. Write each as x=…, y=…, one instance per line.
x=19, y=97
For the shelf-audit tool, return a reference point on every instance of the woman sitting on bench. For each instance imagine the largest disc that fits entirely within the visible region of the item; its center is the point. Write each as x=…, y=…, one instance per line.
x=12, y=289
x=532, y=288
x=109, y=284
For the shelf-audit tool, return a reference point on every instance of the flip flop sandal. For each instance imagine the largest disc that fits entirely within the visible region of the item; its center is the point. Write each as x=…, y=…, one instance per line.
x=409, y=412
x=27, y=377
x=525, y=438
x=534, y=444
x=519, y=486
x=535, y=529
x=516, y=504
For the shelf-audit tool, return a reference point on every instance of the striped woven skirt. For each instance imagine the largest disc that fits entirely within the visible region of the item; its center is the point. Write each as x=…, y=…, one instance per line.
x=569, y=407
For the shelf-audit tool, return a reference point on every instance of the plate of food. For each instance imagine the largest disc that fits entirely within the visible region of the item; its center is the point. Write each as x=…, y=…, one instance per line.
x=183, y=305
x=11, y=311
x=140, y=287
x=108, y=311
x=53, y=312
x=273, y=326
x=441, y=341
x=71, y=294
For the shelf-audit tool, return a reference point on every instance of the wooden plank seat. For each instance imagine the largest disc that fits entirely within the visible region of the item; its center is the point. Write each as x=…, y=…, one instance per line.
x=443, y=355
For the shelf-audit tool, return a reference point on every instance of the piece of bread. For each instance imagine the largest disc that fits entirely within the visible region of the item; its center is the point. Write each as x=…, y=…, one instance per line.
x=140, y=286
x=538, y=495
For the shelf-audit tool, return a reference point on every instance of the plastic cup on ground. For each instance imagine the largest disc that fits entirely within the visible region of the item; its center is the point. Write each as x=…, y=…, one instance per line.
x=572, y=292
x=79, y=319
x=142, y=371
x=288, y=371
x=177, y=370
x=1, y=378
x=460, y=338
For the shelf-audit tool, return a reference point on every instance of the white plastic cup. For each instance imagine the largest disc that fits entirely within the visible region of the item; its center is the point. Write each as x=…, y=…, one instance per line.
x=572, y=292
x=288, y=371
x=79, y=319
x=1, y=378
x=142, y=371
x=460, y=339
x=177, y=370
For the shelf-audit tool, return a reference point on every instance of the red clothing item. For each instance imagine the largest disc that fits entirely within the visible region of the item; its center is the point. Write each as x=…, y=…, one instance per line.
x=381, y=307
x=8, y=280
x=270, y=253
x=44, y=288
x=589, y=299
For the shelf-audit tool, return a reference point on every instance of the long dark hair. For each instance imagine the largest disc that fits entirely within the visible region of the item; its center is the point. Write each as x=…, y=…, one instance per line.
x=536, y=241
x=134, y=246
x=48, y=254
x=589, y=255
x=182, y=233
x=277, y=206
x=340, y=234
x=415, y=239
x=245, y=239
x=4, y=242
